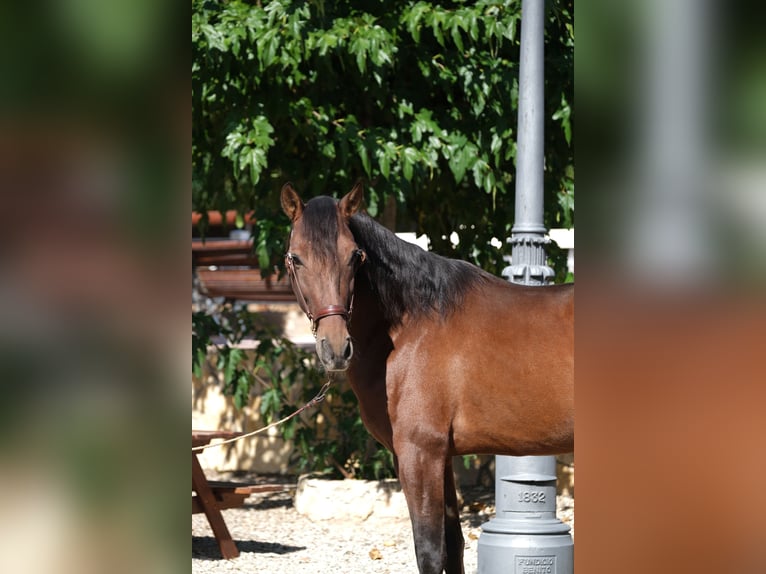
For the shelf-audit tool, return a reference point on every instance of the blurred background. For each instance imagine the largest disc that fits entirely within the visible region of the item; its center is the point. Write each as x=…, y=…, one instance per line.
x=670, y=390
x=94, y=341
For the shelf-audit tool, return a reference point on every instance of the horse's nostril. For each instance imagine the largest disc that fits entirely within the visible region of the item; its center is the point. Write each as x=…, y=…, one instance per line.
x=348, y=349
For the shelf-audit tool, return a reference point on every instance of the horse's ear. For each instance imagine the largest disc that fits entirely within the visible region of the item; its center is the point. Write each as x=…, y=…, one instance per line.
x=291, y=203
x=352, y=201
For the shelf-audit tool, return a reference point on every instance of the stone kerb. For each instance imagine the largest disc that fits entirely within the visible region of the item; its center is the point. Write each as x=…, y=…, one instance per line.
x=356, y=500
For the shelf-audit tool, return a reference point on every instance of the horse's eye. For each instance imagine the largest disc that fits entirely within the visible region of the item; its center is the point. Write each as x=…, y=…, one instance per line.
x=294, y=259
x=357, y=257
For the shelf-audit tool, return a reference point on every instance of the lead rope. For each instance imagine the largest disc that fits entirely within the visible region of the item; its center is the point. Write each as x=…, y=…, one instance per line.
x=320, y=396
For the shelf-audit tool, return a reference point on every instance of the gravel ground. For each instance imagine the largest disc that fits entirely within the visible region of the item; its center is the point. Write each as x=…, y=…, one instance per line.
x=273, y=538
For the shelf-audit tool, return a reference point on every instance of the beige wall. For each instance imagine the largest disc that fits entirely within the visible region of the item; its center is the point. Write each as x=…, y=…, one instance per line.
x=211, y=410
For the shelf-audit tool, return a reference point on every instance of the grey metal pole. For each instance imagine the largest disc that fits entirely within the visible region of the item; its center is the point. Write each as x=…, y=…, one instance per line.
x=525, y=535
x=528, y=232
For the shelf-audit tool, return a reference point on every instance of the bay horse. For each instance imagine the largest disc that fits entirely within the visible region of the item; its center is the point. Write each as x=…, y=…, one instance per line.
x=444, y=358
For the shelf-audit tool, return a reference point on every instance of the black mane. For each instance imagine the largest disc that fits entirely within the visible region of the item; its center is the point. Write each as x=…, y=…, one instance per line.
x=408, y=280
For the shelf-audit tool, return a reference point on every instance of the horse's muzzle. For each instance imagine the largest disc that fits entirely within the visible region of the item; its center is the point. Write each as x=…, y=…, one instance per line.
x=335, y=357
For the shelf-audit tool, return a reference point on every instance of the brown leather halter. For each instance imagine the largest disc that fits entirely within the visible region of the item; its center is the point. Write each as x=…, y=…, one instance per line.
x=322, y=312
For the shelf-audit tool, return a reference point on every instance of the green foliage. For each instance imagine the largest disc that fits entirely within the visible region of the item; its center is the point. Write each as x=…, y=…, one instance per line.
x=418, y=98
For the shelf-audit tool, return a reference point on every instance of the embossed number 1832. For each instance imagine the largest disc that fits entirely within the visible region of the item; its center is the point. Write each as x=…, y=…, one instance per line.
x=527, y=496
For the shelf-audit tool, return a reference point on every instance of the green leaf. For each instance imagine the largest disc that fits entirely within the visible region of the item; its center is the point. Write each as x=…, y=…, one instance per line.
x=263, y=255
x=563, y=114
x=413, y=18
x=416, y=129
x=457, y=38
x=372, y=202
x=510, y=30
x=199, y=361
x=473, y=26
x=270, y=404
x=410, y=157
x=361, y=60
x=242, y=392
x=364, y=156
x=328, y=150
x=489, y=182
x=251, y=159
x=384, y=162
x=458, y=164
x=436, y=28
x=233, y=359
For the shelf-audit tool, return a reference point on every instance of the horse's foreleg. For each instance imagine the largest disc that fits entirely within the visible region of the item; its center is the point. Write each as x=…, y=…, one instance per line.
x=452, y=531
x=421, y=474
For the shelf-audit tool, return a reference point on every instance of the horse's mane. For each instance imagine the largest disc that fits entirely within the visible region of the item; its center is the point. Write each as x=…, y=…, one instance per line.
x=320, y=217
x=408, y=280
x=405, y=279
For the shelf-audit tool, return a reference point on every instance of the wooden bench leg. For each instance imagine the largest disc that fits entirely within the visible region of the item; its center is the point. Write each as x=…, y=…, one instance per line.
x=210, y=507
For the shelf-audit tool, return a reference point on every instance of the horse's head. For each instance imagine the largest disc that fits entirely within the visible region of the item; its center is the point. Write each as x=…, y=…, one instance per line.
x=322, y=260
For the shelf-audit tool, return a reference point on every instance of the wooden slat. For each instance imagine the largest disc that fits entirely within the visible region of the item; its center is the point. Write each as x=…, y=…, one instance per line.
x=223, y=500
x=233, y=494
x=232, y=252
x=244, y=284
x=241, y=488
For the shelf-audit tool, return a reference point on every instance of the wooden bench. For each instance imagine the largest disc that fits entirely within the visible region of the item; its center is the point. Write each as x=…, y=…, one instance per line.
x=211, y=497
x=233, y=494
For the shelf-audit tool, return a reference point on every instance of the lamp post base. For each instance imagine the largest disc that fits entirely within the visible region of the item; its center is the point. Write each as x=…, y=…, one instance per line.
x=518, y=553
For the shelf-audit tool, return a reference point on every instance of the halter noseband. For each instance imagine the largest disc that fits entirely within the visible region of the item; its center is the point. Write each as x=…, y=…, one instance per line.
x=326, y=311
